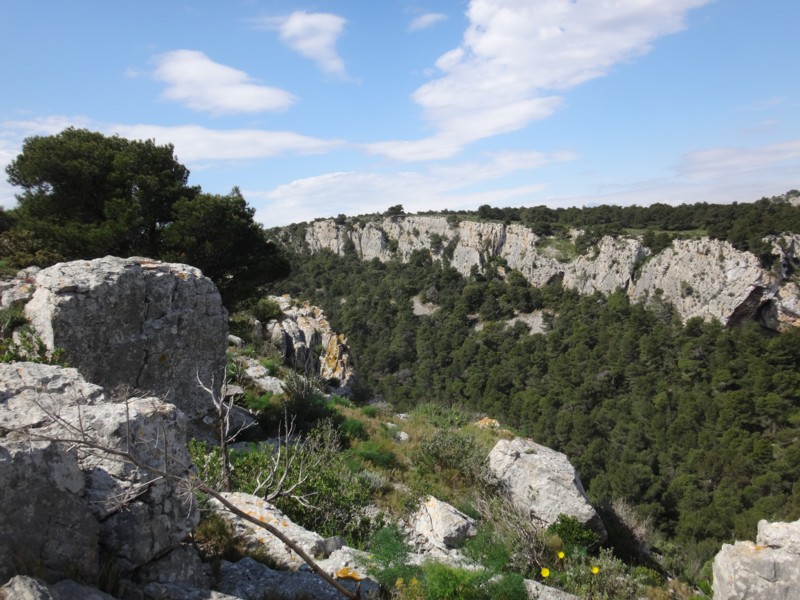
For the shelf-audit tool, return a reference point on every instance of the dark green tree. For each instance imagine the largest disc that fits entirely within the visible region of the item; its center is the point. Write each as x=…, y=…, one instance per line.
x=217, y=234
x=85, y=194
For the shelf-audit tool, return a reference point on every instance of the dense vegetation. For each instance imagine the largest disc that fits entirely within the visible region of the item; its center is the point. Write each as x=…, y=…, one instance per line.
x=697, y=425
x=743, y=225
x=86, y=195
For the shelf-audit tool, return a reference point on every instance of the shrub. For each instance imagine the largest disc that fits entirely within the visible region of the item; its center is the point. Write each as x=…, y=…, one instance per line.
x=389, y=553
x=451, y=449
x=573, y=533
x=353, y=429
x=266, y=309
x=373, y=452
x=370, y=411
x=303, y=398
x=335, y=495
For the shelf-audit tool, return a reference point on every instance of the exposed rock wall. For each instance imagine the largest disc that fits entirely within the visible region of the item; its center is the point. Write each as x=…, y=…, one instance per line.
x=702, y=278
x=149, y=326
x=306, y=339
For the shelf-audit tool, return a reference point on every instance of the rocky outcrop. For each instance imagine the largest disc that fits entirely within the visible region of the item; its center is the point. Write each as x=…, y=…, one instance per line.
x=706, y=278
x=91, y=507
x=767, y=570
x=147, y=326
x=306, y=340
x=702, y=278
x=345, y=564
x=541, y=482
x=438, y=527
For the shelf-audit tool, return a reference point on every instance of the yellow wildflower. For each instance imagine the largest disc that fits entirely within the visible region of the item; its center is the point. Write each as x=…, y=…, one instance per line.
x=595, y=570
x=545, y=572
x=561, y=555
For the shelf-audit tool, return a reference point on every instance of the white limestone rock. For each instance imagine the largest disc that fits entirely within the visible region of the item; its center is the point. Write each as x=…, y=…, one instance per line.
x=306, y=340
x=311, y=543
x=539, y=591
x=767, y=570
x=542, y=482
x=702, y=278
x=133, y=322
x=439, y=526
x=102, y=504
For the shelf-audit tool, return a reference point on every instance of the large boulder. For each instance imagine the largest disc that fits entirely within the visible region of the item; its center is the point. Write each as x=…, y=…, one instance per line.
x=135, y=323
x=541, y=482
x=440, y=527
x=767, y=570
x=60, y=441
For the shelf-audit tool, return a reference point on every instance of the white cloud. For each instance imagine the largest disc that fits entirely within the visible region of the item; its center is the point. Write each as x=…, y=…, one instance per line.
x=425, y=21
x=201, y=84
x=313, y=35
x=515, y=53
x=362, y=192
x=714, y=175
x=195, y=143
x=358, y=193
x=719, y=163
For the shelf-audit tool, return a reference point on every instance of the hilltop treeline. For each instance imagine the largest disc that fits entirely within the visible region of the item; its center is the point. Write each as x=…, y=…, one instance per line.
x=698, y=425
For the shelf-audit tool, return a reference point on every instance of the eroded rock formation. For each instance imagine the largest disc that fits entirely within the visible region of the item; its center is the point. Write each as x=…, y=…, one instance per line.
x=702, y=278
x=306, y=340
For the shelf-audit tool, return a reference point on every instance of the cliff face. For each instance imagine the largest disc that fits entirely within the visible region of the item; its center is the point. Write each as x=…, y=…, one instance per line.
x=704, y=278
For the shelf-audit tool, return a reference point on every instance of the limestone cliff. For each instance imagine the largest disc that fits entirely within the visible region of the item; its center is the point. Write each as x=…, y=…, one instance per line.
x=705, y=278
x=307, y=341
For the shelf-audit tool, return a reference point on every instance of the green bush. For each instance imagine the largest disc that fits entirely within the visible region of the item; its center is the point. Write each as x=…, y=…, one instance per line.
x=451, y=449
x=257, y=402
x=573, y=533
x=336, y=497
x=370, y=411
x=388, y=556
x=380, y=457
x=353, y=429
x=266, y=309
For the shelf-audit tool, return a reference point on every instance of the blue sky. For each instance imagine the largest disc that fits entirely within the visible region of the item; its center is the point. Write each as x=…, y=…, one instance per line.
x=319, y=108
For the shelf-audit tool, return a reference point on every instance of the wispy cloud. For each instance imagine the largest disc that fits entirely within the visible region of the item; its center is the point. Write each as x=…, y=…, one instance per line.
x=723, y=162
x=196, y=143
x=516, y=53
x=434, y=189
x=193, y=143
x=313, y=35
x=425, y=21
x=201, y=84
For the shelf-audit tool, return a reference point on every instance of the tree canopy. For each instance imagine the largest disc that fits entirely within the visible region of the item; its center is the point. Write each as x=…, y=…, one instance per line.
x=85, y=195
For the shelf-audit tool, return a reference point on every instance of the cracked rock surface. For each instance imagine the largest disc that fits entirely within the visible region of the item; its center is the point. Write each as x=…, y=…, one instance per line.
x=135, y=323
